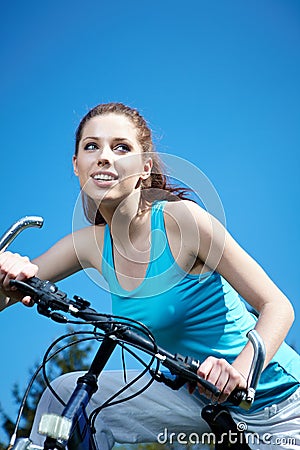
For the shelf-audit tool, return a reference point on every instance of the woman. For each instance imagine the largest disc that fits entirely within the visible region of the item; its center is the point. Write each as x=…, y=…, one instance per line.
x=174, y=267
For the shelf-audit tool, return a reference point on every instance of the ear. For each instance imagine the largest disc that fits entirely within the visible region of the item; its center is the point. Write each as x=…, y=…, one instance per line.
x=74, y=161
x=147, y=169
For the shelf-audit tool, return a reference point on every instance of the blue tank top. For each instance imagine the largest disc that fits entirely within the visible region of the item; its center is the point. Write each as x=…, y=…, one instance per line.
x=196, y=315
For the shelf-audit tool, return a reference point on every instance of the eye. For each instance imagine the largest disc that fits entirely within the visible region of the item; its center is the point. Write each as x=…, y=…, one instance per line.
x=91, y=146
x=122, y=148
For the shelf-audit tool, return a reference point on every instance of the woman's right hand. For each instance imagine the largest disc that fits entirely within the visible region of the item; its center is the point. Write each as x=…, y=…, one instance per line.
x=15, y=267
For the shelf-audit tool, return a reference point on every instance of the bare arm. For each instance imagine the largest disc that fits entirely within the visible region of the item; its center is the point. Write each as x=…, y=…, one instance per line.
x=221, y=252
x=66, y=257
x=252, y=283
x=59, y=261
x=276, y=314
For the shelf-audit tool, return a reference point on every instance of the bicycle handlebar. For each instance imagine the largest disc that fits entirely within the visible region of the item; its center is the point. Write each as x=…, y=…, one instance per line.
x=17, y=227
x=50, y=299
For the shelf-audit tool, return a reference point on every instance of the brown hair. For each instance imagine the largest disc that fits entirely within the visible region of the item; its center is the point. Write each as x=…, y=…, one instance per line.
x=156, y=186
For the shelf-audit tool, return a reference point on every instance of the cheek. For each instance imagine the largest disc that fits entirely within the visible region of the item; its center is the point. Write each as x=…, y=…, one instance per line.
x=82, y=175
x=81, y=167
x=129, y=168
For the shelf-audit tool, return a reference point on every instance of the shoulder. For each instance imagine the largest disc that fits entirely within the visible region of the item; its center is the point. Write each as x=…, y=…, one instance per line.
x=181, y=222
x=186, y=213
x=88, y=245
x=197, y=229
x=181, y=206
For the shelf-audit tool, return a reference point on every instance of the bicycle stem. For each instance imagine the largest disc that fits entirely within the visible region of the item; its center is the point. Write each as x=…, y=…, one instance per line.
x=17, y=227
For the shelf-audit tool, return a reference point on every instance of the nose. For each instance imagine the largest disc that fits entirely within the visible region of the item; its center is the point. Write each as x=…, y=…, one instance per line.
x=104, y=156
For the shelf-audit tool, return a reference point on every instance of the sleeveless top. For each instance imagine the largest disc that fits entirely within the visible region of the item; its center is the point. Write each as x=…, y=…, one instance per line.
x=195, y=315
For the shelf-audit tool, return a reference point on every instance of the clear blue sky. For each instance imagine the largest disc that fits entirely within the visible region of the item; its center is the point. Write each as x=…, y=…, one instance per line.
x=217, y=80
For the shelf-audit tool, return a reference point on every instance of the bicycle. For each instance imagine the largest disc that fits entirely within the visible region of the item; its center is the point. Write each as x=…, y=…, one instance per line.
x=73, y=429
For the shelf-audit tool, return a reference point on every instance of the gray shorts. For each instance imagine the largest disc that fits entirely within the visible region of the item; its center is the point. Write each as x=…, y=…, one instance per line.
x=170, y=417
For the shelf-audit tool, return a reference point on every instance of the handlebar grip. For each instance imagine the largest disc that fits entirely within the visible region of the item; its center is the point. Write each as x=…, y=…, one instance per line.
x=34, y=284
x=192, y=365
x=45, y=294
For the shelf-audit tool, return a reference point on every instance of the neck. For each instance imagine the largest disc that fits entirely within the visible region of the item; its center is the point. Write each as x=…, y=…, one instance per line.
x=126, y=220
x=130, y=227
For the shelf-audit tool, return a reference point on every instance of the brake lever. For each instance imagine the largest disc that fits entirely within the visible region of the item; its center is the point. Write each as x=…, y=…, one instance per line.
x=243, y=398
x=185, y=370
x=49, y=299
x=173, y=383
x=24, y=288
x=45, y=294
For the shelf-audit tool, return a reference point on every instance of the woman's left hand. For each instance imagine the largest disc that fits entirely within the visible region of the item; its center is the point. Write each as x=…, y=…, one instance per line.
x=223, y=375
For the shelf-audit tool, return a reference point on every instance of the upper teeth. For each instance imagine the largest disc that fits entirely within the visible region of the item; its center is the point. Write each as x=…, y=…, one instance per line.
x=103, y=176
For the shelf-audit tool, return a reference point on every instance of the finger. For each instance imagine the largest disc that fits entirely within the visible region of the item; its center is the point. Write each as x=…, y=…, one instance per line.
x=4, y=264
x=9, y=267
x=7, y=262
x=205, y=367
x=229, y=380
x=12, y=271
x=210, y=371
x=29, y=270
x=19, y=270
x=224, y=384
x=232, y=383
x=27, y=301
x=4, y=256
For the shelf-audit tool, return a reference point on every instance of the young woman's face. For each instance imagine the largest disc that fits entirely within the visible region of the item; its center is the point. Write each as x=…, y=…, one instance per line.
x=109, y=162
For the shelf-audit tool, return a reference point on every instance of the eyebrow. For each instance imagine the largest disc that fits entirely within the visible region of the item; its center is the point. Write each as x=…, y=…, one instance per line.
x=118, y=139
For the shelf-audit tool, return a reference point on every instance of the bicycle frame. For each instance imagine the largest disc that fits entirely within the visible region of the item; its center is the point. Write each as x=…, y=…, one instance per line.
x=71, y=429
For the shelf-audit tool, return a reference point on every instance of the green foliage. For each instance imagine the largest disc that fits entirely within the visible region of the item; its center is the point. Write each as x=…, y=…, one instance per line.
x=73, y=358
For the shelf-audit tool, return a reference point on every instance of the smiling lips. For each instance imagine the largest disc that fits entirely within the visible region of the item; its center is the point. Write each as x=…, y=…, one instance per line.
x=104, y=177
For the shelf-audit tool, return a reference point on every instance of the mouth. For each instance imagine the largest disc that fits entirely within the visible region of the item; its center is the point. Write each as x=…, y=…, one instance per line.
x=103, y=177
